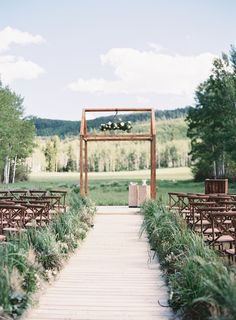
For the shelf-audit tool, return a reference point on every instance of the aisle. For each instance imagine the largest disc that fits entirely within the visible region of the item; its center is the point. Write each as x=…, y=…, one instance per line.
x=109, y=278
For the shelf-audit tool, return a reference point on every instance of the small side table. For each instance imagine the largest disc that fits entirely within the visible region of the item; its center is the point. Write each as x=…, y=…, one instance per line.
x=138, y=194
x=143, y=194
x=133, y=195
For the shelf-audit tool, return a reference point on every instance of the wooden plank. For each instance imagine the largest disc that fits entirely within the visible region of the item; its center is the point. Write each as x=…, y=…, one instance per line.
x=81, y=166
x=141, y=135
x=153, y=168
x=82, y=123
x=111, y=277
x=86, y=167
x=117, y=109
x=153, y=123
x=118, y=138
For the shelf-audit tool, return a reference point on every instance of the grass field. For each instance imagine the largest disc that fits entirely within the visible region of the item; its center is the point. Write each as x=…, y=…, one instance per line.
x=111, y=188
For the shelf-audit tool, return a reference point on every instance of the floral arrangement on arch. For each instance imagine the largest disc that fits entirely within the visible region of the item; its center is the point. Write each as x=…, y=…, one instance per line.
x=116, y=124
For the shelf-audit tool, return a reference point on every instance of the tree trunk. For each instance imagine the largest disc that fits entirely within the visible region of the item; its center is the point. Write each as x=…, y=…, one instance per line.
x=214, y=170
x=6, y=170
x=14, y=170
x=221, y=166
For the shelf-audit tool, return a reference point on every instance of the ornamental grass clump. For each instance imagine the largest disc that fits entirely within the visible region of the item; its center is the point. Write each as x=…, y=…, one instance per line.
x=46, y=247
x=201, y=285
x=15, y=273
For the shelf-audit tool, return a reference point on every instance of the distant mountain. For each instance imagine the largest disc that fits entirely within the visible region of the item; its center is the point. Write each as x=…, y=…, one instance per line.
x=63, y=128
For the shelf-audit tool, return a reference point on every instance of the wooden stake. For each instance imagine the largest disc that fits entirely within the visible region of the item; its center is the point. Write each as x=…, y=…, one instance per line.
x=118, y=109
x=86, y=167
x=81, y=166
x=153, y=168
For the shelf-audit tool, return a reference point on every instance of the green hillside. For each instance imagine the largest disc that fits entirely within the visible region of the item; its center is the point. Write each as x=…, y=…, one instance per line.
x=63, y=128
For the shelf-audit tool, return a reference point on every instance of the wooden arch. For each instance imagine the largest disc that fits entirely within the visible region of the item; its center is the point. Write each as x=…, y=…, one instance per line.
x=86, y=137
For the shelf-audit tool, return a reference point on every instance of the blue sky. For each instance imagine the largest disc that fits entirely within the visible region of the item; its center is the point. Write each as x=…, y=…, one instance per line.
x=110, y=53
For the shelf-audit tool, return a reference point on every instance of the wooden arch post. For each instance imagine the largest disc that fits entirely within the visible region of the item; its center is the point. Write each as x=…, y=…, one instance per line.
x=86, y=137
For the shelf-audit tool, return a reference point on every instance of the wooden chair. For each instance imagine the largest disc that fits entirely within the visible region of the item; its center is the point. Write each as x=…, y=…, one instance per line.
x=222, y=220
x=174, y=200
x=38, y=214
x=229, y=205
x=17, y=193
x=231, y=252
x=28, y=198
x=6, y=198
x=3, y=193
x=62, y=194
x=178, y=201
x=54, y=202
x=194, y=219
x=204, y=221
x=219, y=197
x=12, y=218
x=38, y=193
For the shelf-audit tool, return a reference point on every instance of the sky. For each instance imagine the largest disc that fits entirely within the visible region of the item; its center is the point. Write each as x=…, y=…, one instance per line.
x=64, y=55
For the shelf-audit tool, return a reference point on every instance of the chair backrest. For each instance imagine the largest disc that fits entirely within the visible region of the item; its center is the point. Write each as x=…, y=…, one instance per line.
x=12, y=215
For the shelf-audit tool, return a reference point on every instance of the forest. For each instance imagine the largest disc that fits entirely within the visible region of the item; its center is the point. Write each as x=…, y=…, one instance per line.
x=65, y=128
x=58, y=154
x=16, y=136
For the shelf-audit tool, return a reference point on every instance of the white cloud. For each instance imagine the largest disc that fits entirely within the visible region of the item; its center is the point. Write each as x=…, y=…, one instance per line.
x=9, y=36
x=157, y=47
x=12, y=67
x=148, y=72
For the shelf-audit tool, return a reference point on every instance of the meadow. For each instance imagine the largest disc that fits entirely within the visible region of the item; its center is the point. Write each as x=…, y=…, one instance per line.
x=111, y=188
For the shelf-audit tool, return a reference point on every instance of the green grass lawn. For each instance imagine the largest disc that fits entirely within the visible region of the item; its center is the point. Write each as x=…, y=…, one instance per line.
x=111, y=188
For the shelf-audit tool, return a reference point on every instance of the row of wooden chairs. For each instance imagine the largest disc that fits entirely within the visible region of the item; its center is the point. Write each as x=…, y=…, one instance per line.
x=56, y=197
x=20, y=209
x=212, y=215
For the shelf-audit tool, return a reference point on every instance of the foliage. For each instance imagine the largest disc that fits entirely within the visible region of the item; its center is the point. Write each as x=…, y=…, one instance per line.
x=202, y=287
x=172, y=151
x=212, y=123
x=71, y=165
x=50, y=152
x=16, y=133
x=22, y=172
x=37, y=254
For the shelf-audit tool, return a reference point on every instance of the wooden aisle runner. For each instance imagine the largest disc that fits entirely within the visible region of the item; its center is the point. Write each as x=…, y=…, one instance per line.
x=109, y=278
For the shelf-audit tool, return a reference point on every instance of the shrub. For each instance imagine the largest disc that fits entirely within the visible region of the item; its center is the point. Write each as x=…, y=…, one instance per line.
x=46, y=247
x=201, y=285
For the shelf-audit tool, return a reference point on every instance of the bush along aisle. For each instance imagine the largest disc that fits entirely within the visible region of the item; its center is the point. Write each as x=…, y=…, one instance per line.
x=201, y=285
x=38, y=254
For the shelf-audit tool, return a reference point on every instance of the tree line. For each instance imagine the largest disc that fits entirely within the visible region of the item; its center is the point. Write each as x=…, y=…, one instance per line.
x=16, y=135
x=56, y=154
x=64, y=128
x=212, y=122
